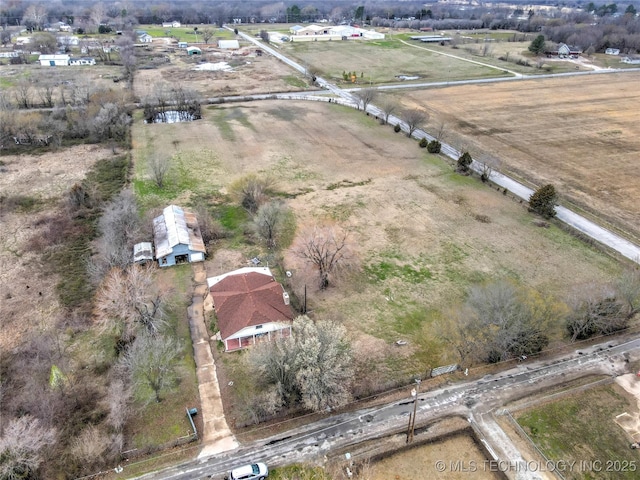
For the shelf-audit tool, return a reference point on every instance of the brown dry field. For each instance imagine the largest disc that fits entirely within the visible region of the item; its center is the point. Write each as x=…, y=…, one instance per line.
x=251, y=74
x=29, y=302
x=413, y=211
x=579, y=133
x=455, y=453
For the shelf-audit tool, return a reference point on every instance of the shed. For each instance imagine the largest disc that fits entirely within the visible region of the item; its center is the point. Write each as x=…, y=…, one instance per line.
x=194, y=51
x=54, y=60
x=177, y=237
x=182, y=45
x=251, y=306
x=228, y=44
x=143, y=252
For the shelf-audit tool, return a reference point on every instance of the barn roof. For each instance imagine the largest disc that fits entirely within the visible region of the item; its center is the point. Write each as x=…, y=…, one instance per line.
x=174, y=227
x=247, y=299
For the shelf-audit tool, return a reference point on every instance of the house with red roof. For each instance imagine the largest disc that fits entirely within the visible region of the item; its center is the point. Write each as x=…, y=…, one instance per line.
x=251, y=306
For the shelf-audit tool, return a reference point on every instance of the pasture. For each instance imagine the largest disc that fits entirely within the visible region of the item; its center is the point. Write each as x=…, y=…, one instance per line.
x=581, y=428
x=578, y=133
x=423, y=233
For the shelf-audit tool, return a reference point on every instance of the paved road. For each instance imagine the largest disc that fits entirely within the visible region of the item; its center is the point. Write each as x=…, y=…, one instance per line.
x=473, y=400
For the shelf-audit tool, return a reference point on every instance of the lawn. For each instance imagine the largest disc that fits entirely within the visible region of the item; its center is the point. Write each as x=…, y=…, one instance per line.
x=581, y=428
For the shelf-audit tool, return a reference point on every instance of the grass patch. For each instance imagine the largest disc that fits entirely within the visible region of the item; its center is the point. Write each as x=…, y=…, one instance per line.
x=384, y=270
x=581, y=428
x=298, y=471
x=20, y=204
x=347, y=183
x=295, y=81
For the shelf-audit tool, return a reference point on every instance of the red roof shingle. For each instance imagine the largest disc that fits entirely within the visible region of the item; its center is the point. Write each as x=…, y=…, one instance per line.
x=248, y=299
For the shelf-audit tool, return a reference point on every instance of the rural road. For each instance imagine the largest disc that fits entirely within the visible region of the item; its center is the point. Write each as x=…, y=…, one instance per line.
x=578, y=222
x=477, y=401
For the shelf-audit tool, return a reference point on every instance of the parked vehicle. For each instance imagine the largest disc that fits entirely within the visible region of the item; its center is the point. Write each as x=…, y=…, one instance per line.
x=255, y=471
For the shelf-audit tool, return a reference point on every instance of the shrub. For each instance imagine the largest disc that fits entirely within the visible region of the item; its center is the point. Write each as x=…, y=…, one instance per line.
x=423, y=143
x=397, y=128
x=434, y=146
x=464, y=163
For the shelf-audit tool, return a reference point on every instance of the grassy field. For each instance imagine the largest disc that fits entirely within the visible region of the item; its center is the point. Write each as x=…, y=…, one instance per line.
x=576, y=132
x=581, y=428
x=416, y=225
x=187, y=33
x=381, y=61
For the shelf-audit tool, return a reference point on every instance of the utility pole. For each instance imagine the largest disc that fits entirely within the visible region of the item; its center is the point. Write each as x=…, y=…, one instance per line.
x=412, y=417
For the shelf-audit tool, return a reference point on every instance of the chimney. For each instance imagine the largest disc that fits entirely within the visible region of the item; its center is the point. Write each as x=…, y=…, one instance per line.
x=285, y=297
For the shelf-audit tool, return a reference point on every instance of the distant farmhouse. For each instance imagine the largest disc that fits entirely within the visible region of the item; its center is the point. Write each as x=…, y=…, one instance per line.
x=612, y=51
x=174, y=24
x=564, y=51
x=177, y=238
x=144, y=37
x=251, y=307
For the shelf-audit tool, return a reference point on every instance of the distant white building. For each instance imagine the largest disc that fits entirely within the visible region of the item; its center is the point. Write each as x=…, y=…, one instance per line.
x=228, y=44
x=174, y=24
x=145, y=38
x=54, y=60
x=82, y=61
x=612, y=51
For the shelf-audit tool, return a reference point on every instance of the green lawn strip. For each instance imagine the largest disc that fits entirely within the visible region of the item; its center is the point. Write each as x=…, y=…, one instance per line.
x=297, y=471
x=158, y=423
x=581, y=428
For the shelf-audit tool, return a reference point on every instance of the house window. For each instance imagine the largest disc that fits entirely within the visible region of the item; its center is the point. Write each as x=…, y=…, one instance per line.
x=258, y=327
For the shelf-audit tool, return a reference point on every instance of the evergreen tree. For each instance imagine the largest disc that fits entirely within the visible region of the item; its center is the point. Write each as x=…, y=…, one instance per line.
x=543, y=201
x=537, y=45
x=464, y=163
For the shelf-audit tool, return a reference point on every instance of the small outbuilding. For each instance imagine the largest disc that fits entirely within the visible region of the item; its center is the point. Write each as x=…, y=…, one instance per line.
x=251, y=306
x=177, y=237
x=194, y=51
x=54, y=60
x=145, y=38
x=182, y=45
x=142, y=253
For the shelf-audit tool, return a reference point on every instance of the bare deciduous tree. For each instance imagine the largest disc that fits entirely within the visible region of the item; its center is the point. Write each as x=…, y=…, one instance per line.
x=323, y=363
x=127, y=302
x=365, y=97
x=22, y=447
x=327, y=249
x=252, y=191
x=22, y=93
x=119, y=226
x=151, y=363
x=595, y=310
x=628, y=290
x=500, y=321
x=388, y=107
x=159, y=166
x=269, y=220
x=90, y=447
x=415, y=118
x=207, y=34
x=314, y=366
